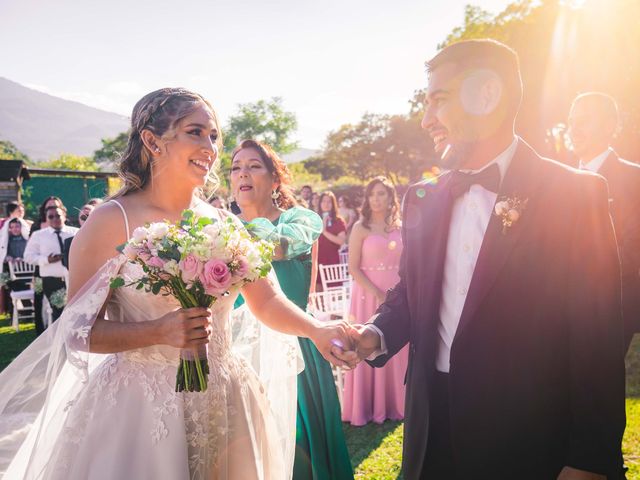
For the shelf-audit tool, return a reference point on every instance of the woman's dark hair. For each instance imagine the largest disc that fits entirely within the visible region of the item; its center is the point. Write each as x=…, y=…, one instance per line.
x=159, y=112
x=335, y=213
x=392, y=219
x=12, y=207
x=347, y=201
x=276, y=167
x=42, y=212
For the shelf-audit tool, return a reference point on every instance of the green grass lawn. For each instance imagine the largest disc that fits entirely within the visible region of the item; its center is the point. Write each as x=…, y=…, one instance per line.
x=376, y=450
x=12, y=343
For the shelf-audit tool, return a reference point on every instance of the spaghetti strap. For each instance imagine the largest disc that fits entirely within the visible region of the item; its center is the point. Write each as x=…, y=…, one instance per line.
x=124, y=214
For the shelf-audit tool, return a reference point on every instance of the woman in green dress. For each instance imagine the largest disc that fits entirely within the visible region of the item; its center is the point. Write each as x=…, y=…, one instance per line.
x=259, y=182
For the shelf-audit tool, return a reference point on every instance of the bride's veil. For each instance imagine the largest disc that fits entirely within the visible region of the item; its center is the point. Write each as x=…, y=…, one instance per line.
x=277, y=360
x=40, y=386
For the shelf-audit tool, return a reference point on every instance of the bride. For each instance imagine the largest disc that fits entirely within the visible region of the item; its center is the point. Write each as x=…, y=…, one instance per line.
x=94, y=398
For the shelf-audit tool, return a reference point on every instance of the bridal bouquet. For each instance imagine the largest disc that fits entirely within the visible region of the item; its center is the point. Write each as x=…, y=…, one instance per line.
x=197, y=261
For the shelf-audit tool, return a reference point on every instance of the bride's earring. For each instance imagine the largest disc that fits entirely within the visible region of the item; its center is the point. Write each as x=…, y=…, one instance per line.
x=275, y=195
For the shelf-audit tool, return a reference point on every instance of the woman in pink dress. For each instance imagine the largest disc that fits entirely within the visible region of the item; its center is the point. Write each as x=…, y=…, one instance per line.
x=375, y=245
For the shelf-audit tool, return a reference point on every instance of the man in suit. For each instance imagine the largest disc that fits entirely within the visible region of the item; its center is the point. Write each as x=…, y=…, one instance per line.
x=593, y=123
x=509, y=295
x=45, y=248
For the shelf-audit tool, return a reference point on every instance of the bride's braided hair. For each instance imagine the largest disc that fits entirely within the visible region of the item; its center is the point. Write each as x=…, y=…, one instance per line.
x=159, y=112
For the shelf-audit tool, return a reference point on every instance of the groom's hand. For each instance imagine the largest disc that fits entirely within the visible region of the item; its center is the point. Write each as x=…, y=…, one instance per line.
x=333, y=341
x=365, y=341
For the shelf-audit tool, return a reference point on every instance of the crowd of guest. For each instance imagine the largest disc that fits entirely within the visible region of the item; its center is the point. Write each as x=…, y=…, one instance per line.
x=44, y=245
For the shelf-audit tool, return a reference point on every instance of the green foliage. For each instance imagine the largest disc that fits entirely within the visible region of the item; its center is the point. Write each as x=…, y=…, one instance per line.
x=30, y=207
x=264, y=120
x=390, y=145
x=68, y=161
x=112, y=149
x=8, y=151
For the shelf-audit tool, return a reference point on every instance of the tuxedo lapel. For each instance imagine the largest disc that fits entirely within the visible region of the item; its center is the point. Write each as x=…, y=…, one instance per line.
x=434, y=216
x=521, y=182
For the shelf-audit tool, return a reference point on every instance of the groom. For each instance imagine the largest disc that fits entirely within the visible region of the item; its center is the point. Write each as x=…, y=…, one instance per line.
x=509, y=295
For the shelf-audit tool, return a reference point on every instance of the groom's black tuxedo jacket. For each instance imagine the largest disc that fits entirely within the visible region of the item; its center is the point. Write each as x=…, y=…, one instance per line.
x=537, y=363
x=623, y=178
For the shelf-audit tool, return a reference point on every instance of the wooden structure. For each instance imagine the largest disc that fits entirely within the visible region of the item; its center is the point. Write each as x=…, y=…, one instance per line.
x=12, y=174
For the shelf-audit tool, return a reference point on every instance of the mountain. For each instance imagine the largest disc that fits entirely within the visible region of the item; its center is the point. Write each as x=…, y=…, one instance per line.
x=43, y=126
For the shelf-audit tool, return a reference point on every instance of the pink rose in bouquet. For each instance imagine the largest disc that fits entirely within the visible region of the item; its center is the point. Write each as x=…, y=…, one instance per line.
x=156, y=262
x=190, y=268
x=215, y=277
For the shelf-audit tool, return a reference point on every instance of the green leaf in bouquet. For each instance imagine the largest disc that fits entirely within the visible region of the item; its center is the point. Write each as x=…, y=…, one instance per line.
x=116, y=282
x=204, y=221
x=155, y=288
x=140, y=286
x=120, y=248
x=187, y=214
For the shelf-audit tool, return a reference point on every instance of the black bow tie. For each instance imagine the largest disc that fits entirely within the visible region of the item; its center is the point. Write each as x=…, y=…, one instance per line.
x=488, y=178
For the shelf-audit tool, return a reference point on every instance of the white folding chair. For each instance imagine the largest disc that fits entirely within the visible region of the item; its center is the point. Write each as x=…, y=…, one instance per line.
x=330, y=303
x=334, y=275
x=327, y=305
x=21, y=270
x=343, y=255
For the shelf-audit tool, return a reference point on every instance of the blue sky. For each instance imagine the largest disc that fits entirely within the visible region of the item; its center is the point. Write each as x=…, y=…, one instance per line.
x=331, y=61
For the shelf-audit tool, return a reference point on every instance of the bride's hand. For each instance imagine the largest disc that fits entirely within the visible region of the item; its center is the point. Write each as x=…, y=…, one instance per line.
x=331, y=338
x=185, y=327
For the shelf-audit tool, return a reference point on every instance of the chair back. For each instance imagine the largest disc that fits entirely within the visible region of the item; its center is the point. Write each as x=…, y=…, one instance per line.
x=332, y=302
x=334, y=275
x=21, y=270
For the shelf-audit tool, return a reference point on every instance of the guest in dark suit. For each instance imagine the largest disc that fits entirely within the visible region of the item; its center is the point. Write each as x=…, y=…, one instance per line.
x=83, y=215
x=593, y=123
x=509, y=295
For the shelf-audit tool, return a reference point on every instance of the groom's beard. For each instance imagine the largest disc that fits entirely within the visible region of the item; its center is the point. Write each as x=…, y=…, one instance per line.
x=455, y=155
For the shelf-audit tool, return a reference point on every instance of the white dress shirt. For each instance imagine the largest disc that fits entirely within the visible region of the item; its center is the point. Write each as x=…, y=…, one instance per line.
x=469, y=221
x=44, y=243
x=596, y=163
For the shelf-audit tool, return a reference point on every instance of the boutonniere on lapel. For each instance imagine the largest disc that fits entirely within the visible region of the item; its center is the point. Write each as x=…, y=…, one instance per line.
x=510, y=209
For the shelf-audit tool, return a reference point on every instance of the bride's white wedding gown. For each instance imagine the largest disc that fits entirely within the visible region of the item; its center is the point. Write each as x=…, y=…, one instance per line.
x=127, y=421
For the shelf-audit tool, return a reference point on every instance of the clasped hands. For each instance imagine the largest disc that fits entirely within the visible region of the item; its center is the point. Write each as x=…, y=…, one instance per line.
x=345, y=345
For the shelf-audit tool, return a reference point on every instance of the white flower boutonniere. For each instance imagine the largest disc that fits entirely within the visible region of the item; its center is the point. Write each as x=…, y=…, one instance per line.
x=510, y=209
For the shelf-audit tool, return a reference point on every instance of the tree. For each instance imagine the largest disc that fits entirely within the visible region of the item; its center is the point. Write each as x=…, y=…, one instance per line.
x=8, y=151
x=68, y=161
x=391, y=145
x=112, y=149
x=266, y=121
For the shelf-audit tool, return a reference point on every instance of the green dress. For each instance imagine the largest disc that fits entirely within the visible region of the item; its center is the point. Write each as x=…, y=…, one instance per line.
x=321, y=450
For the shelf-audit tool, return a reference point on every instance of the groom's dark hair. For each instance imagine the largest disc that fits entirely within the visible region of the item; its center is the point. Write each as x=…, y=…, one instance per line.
x=489, y=54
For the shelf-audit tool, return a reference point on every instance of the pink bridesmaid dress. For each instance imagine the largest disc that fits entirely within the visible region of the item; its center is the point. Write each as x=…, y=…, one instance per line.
x=375, y=394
